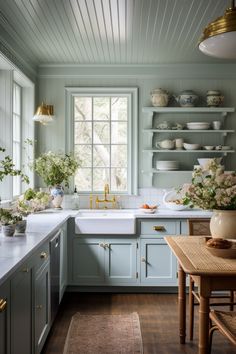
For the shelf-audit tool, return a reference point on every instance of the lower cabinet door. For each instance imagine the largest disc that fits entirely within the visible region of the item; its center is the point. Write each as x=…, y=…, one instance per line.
x=88, y=261
x=21, y=310
x=120, y=261
x=41, y=307
x=158, y=264
x=5, y=318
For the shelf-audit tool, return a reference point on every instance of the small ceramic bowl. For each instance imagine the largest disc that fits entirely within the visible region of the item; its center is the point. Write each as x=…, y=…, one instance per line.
x=208, y=147
x=192, y=146
x=148, y=211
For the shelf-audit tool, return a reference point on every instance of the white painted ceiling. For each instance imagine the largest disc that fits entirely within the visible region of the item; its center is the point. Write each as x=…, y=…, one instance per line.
x=108, y=31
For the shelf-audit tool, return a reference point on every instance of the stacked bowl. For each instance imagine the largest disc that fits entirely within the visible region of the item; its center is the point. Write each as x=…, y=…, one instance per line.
x=167, y=165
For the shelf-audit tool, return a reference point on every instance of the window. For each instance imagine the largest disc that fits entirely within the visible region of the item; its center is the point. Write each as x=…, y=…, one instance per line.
x=103, y=135
x=16, y=151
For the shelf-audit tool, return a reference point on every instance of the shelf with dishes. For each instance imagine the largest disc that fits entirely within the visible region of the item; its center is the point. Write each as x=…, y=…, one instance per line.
x=224, y=132
x=222, y=110
x=224, y=151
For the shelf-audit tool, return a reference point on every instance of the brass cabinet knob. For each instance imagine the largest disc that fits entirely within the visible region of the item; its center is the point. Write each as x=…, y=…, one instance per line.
x=107, y=245
x=101, y=244
x=3, y=305
x=143, y=259
x=159, y=228
x=43, y=255
x=39, y=307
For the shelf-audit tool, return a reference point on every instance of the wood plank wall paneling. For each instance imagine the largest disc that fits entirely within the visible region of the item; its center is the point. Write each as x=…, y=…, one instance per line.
x=174, y=78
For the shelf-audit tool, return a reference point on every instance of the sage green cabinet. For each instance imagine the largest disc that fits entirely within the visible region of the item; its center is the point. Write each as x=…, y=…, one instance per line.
x=5, y=318
x=158, y=264
x=87, y=261
x=104, y=261
x=21, y=309
x=41, y=306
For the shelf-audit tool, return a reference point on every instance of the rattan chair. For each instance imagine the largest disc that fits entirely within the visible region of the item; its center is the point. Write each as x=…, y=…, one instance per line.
x=201, y=227
x=225, y=322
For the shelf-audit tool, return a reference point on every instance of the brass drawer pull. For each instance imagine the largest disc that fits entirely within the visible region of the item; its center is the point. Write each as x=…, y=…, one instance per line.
x=43, y=255
x=143, y=259
x=3, y=305
x=107, y=245
x=101, y=244
x=39, y=307
x=159, y=228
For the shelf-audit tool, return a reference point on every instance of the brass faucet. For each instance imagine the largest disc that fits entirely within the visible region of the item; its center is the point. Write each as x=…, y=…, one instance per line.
x=105, y=200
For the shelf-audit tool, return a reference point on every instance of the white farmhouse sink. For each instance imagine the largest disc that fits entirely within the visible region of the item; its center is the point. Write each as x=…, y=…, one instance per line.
x=105, y=222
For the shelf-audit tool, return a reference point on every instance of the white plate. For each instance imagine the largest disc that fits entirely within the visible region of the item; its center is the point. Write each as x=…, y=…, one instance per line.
x=148, y=211
x=196, y=125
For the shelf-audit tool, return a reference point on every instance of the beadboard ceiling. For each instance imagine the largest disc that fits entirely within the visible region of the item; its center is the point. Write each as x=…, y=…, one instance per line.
x=108, y=31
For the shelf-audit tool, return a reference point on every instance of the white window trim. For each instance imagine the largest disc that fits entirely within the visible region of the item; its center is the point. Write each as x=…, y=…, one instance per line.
x=21, y=129
x=132, y=92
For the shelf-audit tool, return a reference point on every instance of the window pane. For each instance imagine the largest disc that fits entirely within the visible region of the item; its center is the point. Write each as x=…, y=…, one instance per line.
x=119, y=107
x=16, y=154
x=83, y=108
x=83, y=133
x=83, y=179
x=84, y=155
x=101, y=156
x=119, y=155
x=118, y=133
x=16, y=185
x=101, y=107
x=101, y=133
x=100, y=177
x=119, y=179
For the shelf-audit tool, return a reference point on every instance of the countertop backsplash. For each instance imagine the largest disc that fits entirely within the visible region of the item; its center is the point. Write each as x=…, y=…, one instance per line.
x=151, y=196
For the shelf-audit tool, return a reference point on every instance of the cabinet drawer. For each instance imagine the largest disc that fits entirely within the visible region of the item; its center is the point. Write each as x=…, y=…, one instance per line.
x=159, y=227
x=41, y=256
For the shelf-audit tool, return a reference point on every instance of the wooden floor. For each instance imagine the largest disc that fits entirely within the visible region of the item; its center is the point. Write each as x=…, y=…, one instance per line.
x=158, y=317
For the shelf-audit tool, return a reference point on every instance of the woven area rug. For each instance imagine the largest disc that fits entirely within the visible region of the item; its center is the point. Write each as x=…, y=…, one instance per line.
x=104, y=334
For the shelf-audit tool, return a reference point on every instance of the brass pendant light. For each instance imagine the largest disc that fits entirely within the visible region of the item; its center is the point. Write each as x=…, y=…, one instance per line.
x=44, y=114
x=219, y=37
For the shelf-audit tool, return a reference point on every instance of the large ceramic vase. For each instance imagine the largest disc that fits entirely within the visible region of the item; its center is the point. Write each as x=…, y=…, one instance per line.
x=57, y=193
x=223, y=224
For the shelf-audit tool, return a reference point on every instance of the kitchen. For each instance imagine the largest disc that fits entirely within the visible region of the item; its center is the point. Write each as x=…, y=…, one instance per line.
x=98, y=67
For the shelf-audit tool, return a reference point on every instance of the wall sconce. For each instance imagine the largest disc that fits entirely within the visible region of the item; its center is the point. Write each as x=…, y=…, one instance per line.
x=44, y=114
x=219, y=37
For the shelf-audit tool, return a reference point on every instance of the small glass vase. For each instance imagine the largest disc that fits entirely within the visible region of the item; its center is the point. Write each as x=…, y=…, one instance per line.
x=57, y=193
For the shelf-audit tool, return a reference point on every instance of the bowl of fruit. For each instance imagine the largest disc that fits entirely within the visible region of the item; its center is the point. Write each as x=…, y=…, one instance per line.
x=148, y=209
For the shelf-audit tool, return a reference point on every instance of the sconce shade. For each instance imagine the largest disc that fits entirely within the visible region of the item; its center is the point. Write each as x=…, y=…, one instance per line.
x=44, y=114
x=219, y=37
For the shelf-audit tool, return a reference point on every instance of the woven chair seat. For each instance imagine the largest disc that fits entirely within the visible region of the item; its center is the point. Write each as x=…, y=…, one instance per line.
x=225, y=321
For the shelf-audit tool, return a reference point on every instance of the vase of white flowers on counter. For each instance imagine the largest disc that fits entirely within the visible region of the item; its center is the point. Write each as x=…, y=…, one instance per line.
x=8, y=220
x=213, y=189
x=55, y=169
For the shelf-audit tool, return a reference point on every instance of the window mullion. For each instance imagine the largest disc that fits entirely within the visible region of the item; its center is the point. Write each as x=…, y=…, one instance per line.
x=92, y=147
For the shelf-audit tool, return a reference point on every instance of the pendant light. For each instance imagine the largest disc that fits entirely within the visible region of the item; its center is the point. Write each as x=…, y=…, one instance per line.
x=44, y=114
x=219, y=37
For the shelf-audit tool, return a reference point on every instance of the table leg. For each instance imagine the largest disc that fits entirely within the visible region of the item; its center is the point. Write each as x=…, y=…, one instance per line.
x=203, y=325
x=182, y=304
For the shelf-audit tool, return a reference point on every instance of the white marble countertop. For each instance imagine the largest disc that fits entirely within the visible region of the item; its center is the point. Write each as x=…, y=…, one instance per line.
x=41, y=226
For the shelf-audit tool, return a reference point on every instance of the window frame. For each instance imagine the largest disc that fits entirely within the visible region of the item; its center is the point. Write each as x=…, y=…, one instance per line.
x=132, y=136
x=19, y=115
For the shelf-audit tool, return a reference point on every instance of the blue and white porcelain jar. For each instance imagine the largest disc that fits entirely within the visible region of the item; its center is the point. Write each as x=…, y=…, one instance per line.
x=57, y=193
x=187, y=98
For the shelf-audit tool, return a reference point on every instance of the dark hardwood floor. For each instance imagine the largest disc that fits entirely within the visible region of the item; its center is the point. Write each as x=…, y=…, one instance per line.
x=158, y=315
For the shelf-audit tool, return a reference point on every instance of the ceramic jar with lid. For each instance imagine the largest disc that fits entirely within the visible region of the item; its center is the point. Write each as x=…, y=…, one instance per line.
x=160, y=97
x=214, y=98
x=187, y=98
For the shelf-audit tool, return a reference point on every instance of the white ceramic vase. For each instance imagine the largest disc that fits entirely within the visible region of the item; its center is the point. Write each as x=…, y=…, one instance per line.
x=223, y=224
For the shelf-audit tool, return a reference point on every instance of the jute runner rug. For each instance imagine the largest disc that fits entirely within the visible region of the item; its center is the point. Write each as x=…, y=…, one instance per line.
x=104, y=334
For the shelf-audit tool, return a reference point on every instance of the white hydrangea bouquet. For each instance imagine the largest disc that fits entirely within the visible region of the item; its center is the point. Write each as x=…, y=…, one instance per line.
x=211, y=188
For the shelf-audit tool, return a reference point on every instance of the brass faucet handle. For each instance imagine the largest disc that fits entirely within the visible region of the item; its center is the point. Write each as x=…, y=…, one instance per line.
x=106, y=188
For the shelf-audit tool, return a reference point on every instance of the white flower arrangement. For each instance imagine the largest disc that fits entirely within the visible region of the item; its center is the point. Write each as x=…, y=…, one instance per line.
x=211, y=189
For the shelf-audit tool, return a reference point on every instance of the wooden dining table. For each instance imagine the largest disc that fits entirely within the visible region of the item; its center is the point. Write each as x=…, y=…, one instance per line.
x=210, y=273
